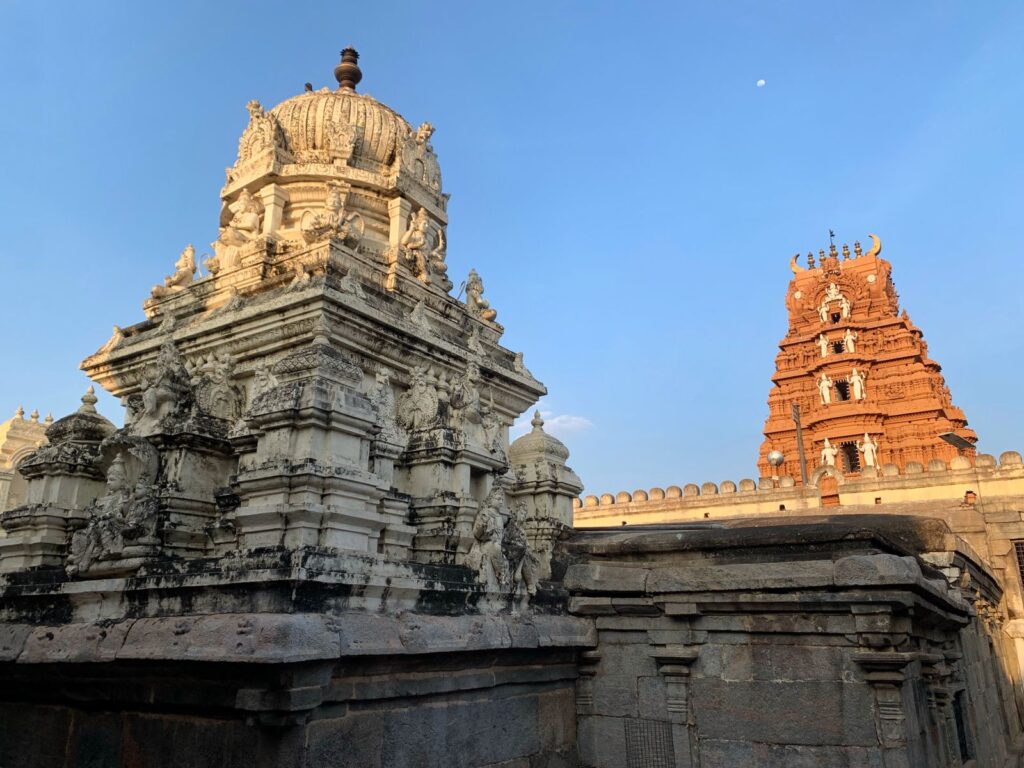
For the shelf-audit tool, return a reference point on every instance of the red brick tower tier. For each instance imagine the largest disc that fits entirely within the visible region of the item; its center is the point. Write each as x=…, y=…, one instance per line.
x=858, y=368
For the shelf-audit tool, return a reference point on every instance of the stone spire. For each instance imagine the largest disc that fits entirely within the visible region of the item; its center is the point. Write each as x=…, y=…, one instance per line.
x=347, y=73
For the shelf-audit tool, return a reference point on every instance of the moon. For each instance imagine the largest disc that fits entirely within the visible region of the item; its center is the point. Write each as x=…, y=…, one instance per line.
x=760, y=83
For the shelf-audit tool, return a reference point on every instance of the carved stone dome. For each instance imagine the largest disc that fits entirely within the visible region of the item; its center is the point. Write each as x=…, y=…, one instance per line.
x=538, y=443
x=318, y=123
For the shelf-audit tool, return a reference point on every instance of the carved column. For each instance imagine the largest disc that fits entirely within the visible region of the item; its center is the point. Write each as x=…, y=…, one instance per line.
x=884, y=672
x=273, y=199
x=674, y=662
x=398, y=218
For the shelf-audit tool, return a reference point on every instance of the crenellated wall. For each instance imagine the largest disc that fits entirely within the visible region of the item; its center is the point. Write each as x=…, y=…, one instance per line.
x=988, y=479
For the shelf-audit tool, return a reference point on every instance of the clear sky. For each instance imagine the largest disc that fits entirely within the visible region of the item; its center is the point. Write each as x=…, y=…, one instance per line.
x=629, y=194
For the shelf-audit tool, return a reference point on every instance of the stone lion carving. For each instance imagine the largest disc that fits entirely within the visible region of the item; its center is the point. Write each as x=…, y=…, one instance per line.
x=523, y=563
x=165, y=387
x=485, y=554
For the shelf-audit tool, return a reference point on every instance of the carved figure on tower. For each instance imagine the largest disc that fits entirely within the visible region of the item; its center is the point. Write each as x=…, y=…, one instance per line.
x=828, y=454
x=414, y=245
x=825, y=388
x=475, y=301
x=869, y=449
x=823, y=344
x=849, y=340
x=184, y=274
x=857, y=384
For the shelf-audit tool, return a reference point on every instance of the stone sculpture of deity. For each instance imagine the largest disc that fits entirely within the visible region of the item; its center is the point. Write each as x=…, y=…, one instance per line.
x=184, y=273
x=828, y=454
x=823, y=344
x=825, y=388
x=333, y=221
x=856, y=380
x=485, y=555
x=414, y=245
x=849, y=339
x=243, y=227
x=477, y=305
x=869, y=448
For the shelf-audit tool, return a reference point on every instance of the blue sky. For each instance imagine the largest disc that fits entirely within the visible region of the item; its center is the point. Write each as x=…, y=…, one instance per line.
x=629, y=195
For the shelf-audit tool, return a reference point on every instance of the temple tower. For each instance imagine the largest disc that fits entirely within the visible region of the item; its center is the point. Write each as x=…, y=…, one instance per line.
x=858, y=370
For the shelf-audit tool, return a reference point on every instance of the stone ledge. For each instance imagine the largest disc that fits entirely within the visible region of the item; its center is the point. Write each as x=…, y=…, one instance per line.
x=286, y=638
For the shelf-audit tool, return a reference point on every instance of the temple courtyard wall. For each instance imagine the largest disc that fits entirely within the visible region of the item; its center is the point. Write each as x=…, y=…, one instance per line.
x=847, y=640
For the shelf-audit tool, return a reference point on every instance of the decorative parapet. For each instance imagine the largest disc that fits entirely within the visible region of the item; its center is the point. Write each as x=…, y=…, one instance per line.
x=958, y=481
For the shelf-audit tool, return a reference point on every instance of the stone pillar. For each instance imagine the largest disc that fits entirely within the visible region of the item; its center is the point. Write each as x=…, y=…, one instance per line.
x=884, y=672
x=674, y=662
x=398, y=217
x=273, y=199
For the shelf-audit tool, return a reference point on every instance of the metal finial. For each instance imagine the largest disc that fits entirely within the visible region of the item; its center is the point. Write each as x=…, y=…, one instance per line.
x=347, y=73
x=537, y=421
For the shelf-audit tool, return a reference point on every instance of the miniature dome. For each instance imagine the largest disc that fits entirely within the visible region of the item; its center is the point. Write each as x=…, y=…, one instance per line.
x=537, y=442
x=85, y=425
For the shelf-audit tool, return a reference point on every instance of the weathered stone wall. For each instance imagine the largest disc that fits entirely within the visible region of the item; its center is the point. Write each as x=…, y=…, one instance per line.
x=463, y=710
x=826, y=644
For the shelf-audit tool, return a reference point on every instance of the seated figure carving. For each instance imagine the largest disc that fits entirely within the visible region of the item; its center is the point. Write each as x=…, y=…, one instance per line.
x=184, y=273
x=121, y=526
x=333, y=221
x=243, y=227
x=477, y=305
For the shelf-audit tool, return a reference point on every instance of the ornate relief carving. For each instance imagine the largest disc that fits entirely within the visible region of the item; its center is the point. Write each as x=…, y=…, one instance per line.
x=382, y=398
x=417, y=407
x=263, y=134
x=414, y=245
x=215, y=392
x=165, y=388
x=485, y=555
x=122, y=522
x=523, y=563
x=333, y=222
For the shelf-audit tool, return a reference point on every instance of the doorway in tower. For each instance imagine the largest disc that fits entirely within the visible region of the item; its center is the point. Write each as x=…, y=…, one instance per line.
x=851, y=457
x=842, y=389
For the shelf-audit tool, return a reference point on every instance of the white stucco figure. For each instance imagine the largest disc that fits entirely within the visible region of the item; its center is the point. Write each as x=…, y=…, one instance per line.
x=828, y=454
x=832, y=293
x=825, y=388
x=184, y=273
x=848, y=340
x=869, y=448
x=844, y=304
x=857, y=384
x=823, y=344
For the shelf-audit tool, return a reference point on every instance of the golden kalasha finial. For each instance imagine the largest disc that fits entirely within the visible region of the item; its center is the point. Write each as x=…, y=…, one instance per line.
x=810, y=260
x=846, y=251
x=857, y=252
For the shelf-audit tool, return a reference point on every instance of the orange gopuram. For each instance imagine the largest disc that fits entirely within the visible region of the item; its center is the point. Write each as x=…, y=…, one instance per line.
x=857, y=370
